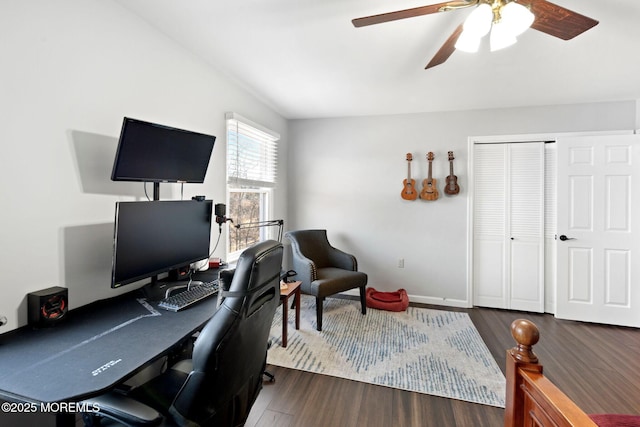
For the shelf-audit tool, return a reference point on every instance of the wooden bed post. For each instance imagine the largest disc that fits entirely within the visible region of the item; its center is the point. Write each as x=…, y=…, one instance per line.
x=522, y=356
x=532, y=399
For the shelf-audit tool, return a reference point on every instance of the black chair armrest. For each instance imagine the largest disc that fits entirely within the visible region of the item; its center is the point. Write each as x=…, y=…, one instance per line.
x=224, y=282
x=124, y=409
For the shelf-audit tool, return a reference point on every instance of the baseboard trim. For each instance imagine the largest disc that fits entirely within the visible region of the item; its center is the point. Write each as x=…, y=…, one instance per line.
x=445, y=302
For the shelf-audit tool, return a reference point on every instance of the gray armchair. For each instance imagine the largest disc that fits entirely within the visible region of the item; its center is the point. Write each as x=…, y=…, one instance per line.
x=323, y=269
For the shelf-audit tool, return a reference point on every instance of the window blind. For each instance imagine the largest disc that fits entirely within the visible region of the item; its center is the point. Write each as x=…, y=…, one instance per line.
x=252, y=153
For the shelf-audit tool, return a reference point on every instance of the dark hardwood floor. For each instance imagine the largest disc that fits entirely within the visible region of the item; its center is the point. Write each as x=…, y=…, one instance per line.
x=597, y=366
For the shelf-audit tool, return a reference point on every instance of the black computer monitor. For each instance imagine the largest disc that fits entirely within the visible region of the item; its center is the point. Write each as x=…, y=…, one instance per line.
x=152, y=152
x=151, y=238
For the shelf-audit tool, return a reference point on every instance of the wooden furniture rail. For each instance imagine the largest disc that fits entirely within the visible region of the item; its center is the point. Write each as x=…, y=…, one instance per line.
x=532, y=400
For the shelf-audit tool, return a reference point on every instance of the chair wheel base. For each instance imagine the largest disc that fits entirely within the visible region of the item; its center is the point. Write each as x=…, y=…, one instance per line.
x=270, y=376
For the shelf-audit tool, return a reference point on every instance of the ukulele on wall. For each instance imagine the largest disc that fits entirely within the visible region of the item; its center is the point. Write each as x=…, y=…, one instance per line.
x=429, y=190
x=409, y=191
x=452, y=186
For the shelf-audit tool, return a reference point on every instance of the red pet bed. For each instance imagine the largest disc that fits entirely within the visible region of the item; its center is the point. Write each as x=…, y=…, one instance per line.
x=390, y=301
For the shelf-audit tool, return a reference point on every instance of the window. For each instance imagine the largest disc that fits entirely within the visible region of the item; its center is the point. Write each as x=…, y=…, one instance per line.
x=251, y=178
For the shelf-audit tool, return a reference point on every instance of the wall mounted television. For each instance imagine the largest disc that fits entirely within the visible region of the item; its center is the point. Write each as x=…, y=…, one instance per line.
x=155, y=237
x=152, y=152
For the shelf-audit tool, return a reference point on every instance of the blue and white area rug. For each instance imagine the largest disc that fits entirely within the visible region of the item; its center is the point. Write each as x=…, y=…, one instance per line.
x=427, y=351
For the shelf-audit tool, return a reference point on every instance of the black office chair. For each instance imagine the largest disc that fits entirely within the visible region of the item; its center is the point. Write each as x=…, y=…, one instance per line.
x=220, y=383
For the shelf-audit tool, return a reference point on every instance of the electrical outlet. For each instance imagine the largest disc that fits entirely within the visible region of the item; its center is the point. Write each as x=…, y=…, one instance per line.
x=401, y=263
x=3, y=320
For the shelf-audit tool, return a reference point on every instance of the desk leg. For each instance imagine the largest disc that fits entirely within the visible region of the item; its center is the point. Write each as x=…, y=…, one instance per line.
x=285, y=320
x=297, y=300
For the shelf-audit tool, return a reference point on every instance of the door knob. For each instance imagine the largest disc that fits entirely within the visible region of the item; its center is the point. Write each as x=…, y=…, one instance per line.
x=563, y=238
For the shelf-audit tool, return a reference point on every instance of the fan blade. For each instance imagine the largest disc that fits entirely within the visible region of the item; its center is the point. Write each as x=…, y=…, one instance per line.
x=446, y=50
x=558, y=21
x=410, y=13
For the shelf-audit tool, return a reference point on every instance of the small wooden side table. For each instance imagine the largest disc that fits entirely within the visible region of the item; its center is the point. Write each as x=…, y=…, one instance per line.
x=292, y=288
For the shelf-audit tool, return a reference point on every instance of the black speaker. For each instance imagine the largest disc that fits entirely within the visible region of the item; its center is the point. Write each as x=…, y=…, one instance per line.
x=180, y=273
x=48, y=306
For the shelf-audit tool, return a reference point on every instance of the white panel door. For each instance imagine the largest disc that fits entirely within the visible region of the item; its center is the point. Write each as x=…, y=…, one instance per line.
x=598, y=251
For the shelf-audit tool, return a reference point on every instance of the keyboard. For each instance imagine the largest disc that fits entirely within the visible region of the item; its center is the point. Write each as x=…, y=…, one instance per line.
x=184, y=299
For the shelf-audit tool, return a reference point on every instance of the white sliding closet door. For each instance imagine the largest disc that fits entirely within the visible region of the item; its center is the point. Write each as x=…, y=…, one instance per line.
x=489, y=219
x=508, y=251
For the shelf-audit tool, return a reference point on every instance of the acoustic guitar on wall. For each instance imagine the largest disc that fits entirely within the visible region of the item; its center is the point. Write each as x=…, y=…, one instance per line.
x=429, y=189
x=409, y=191
x=452, y=186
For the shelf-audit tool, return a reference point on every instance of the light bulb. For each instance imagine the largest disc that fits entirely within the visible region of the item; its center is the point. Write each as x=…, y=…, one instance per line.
x=478, y=23
x=468, y=42
x=501, y=36
x=517, y=17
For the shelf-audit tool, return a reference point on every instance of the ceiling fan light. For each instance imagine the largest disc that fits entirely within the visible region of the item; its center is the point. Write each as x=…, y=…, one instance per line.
x=478, y=23
x=501, y=37
x=517, y=17
x=468, y=42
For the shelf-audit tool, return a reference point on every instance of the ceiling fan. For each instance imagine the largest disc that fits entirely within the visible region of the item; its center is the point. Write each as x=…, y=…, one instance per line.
x=505, y=19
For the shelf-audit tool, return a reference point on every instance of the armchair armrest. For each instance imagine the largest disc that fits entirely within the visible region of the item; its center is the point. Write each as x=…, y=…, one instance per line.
x=123, y=409
x=342, y=259
x=305, y=269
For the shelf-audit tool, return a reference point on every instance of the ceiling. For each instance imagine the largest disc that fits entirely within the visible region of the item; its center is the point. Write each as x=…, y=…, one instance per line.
x=305, y=59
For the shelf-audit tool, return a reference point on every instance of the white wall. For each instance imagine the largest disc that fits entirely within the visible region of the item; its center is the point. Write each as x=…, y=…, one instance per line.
x=346, y=176
x=71, y=70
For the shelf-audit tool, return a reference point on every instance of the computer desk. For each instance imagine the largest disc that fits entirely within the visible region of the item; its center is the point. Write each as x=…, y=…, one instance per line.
x=98, y=347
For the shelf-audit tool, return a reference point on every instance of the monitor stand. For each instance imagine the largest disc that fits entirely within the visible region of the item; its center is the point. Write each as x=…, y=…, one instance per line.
x=155, y=290
x=160, y=289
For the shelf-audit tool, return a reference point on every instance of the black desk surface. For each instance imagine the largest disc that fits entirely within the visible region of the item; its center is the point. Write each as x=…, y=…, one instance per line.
x=96, y=348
